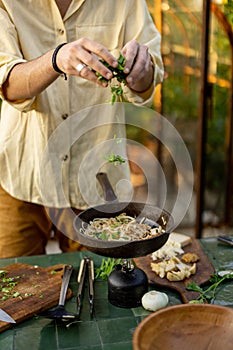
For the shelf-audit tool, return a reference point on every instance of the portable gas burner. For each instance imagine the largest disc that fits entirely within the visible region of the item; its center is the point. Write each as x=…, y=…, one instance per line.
x=126, y=285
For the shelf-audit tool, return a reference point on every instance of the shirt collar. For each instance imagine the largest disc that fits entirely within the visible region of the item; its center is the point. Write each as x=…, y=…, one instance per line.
x=74, y=6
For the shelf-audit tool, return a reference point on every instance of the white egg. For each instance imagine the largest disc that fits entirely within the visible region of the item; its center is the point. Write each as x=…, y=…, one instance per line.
x=154, y=300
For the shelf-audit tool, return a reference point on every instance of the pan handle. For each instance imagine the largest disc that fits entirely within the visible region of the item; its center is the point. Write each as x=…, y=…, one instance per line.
x=109, y=194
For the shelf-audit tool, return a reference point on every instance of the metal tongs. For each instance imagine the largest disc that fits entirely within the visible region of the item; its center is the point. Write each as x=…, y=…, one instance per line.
x=226, y=240
x=86, y=269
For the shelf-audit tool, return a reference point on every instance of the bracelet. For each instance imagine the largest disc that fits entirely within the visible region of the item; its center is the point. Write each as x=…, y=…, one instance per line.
x=54, y=58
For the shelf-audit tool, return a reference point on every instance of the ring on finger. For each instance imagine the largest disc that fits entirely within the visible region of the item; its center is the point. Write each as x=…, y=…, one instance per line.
x=80, y=67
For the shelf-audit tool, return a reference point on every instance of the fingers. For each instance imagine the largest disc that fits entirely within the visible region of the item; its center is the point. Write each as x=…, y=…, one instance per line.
x=138, y=65
x=130, y=51
x=82, y=58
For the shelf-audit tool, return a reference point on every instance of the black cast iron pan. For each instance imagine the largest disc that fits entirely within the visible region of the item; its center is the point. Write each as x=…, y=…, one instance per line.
x=119, y=249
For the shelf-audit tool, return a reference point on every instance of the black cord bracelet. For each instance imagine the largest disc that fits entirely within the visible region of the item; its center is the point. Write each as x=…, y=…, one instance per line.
x=54, y=60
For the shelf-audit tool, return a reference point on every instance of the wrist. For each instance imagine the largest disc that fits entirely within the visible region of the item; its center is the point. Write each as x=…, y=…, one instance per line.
x=54, y=60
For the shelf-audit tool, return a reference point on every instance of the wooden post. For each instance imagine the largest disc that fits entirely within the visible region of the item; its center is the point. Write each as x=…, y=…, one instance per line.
x=202, y=121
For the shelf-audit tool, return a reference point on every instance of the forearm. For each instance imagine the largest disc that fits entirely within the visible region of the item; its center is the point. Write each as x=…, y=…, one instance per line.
x=28, y=79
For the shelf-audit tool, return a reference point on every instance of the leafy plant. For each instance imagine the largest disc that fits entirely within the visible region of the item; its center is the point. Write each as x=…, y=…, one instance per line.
x=106, y=267
x=118, y=73
x=209, y=294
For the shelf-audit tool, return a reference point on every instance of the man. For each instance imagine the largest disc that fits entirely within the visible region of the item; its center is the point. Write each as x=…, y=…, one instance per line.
x=50, y=52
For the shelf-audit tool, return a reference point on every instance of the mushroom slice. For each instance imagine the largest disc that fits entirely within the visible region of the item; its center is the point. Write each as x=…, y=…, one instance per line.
x=176, y=276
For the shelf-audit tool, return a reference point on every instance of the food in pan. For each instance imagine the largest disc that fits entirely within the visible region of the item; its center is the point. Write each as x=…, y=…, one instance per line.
x=122, y=227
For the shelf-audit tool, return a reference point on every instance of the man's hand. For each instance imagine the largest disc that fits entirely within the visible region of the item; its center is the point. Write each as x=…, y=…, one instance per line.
x=87, y=52
x=139, y=66
x=28, y=79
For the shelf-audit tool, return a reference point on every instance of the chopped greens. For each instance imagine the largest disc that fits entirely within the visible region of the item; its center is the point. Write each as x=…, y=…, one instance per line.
x=7, y=285
x=118, y=73
x=207, y=295
x=2, y=273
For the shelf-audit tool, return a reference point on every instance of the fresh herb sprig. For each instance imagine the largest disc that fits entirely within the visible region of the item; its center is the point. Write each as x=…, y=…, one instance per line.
x=118, y=73
x=209, y=294
x=115, y=158
x=106, y=267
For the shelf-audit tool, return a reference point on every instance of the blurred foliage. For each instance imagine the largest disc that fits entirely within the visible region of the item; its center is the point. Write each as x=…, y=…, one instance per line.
x=228, y=10
x=181, y=49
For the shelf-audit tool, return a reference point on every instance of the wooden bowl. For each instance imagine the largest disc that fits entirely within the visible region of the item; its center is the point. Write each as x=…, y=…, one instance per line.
x=186, y=327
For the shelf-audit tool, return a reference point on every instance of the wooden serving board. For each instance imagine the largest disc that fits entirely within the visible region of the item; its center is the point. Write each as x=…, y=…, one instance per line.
x=204, y=270
x=38, y=288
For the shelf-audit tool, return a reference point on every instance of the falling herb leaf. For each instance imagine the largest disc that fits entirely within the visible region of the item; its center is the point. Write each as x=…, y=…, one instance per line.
x=115, y=158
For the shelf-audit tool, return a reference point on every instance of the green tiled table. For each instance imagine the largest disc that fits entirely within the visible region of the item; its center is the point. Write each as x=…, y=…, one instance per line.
x=111, y=327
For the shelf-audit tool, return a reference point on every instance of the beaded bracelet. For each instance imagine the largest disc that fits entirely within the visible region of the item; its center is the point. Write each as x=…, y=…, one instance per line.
x=54, y=58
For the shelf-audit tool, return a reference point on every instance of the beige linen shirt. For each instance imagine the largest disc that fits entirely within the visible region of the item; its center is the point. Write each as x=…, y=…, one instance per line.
x=51, y=146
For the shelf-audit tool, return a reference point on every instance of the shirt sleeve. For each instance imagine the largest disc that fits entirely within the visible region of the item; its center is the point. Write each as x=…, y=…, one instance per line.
x=10, y=56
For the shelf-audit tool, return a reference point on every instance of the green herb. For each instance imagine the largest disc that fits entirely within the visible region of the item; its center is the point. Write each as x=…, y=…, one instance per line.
x=2, y=273
x=106, y=267
x=9, y=294
x=10, y=279
x=116, y=235
x=15, y=295
x=28, y=295
x=118, y=73
x=7, y=285
x=209, y=294
x=103, y=236
x=6, y=289
x=115, y=158
x=53, y=272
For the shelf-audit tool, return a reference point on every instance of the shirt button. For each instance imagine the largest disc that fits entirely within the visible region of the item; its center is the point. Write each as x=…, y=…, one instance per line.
x=60, y=31
x=65, y=157
x=64, y=116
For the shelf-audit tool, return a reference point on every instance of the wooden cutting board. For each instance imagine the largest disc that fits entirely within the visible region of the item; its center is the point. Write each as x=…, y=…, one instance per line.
x=38, y=288
x=204, y=270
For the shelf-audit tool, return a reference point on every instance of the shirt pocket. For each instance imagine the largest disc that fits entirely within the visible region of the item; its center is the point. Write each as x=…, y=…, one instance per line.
x=109, y=35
